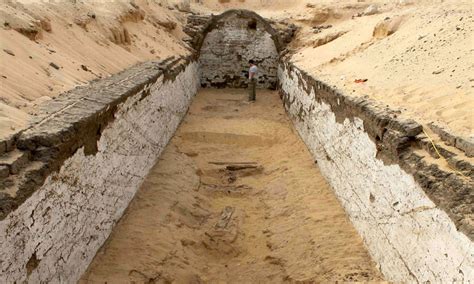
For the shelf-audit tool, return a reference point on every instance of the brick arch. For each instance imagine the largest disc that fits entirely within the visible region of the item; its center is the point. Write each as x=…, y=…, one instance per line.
x=215, y=20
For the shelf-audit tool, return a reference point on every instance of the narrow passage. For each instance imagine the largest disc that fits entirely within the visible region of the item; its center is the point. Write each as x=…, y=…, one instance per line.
x=235, y=198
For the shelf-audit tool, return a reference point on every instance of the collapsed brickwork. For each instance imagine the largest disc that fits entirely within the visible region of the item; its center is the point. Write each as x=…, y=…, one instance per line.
x=226, y=43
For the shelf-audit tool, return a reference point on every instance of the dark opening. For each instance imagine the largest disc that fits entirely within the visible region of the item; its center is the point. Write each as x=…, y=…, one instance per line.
x=252, y=25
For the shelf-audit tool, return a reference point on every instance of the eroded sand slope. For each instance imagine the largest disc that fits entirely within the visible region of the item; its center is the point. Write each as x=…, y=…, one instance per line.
x=235, y=197
x=47, y=48
x=415, y=55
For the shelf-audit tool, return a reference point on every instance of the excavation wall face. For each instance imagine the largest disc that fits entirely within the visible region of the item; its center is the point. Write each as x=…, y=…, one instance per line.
x=359, y=150
x=56, y=232
x=230, y=44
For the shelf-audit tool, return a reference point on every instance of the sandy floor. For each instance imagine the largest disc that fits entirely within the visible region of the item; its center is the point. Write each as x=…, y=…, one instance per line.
x=235, y=198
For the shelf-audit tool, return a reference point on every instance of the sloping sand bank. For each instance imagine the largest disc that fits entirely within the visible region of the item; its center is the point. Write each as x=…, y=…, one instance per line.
x=413, y=56
x=48, y=48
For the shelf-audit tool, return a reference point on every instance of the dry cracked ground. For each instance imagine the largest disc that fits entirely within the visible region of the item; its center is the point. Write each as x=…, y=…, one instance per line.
x=235, y=198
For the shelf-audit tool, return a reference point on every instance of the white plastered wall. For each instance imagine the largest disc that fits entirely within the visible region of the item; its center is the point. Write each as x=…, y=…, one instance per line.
x=409, y=237
x=58, y=230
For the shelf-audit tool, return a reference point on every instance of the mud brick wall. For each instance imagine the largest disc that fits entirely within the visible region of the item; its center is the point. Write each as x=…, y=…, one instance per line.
x=229, y=46
x=411, y=227
x=86, y=157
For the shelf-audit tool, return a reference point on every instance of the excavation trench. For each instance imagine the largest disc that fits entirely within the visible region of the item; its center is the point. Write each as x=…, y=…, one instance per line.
x=232, y=194
x=235, y=197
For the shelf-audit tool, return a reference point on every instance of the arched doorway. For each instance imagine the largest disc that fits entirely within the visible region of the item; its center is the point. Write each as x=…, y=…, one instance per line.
x=229, y=41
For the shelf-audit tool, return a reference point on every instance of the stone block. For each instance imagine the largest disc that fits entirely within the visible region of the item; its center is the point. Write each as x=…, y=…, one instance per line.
x=408, y=127
x=14, y=160
x=4, y=171
x=3, y=147
x=443, y=134
x=466, y=146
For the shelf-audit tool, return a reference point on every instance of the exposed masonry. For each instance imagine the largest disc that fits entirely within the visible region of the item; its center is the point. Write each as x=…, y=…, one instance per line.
x=225, y=43
x=92, y=150
x=464, y=144
x=367, y=155
x=73, y=120
x=66, y=180
x=228, y=48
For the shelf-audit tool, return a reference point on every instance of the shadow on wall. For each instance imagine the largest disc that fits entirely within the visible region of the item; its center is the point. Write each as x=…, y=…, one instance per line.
x=231, y=42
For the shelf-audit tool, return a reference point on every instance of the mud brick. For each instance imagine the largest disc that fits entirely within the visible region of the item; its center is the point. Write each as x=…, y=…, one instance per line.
x=14, y=160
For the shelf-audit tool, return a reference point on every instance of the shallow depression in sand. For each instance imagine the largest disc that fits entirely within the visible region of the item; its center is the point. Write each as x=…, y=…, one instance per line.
x=235, y=198
x=241, y=140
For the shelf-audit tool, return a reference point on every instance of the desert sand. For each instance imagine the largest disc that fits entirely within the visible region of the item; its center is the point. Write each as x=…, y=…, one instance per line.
x=200, y=215
x=49, y=48
x=235, y=198
x=417, y=56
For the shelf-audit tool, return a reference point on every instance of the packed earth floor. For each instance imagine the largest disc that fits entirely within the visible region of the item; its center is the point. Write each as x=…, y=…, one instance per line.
x=235, y=198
